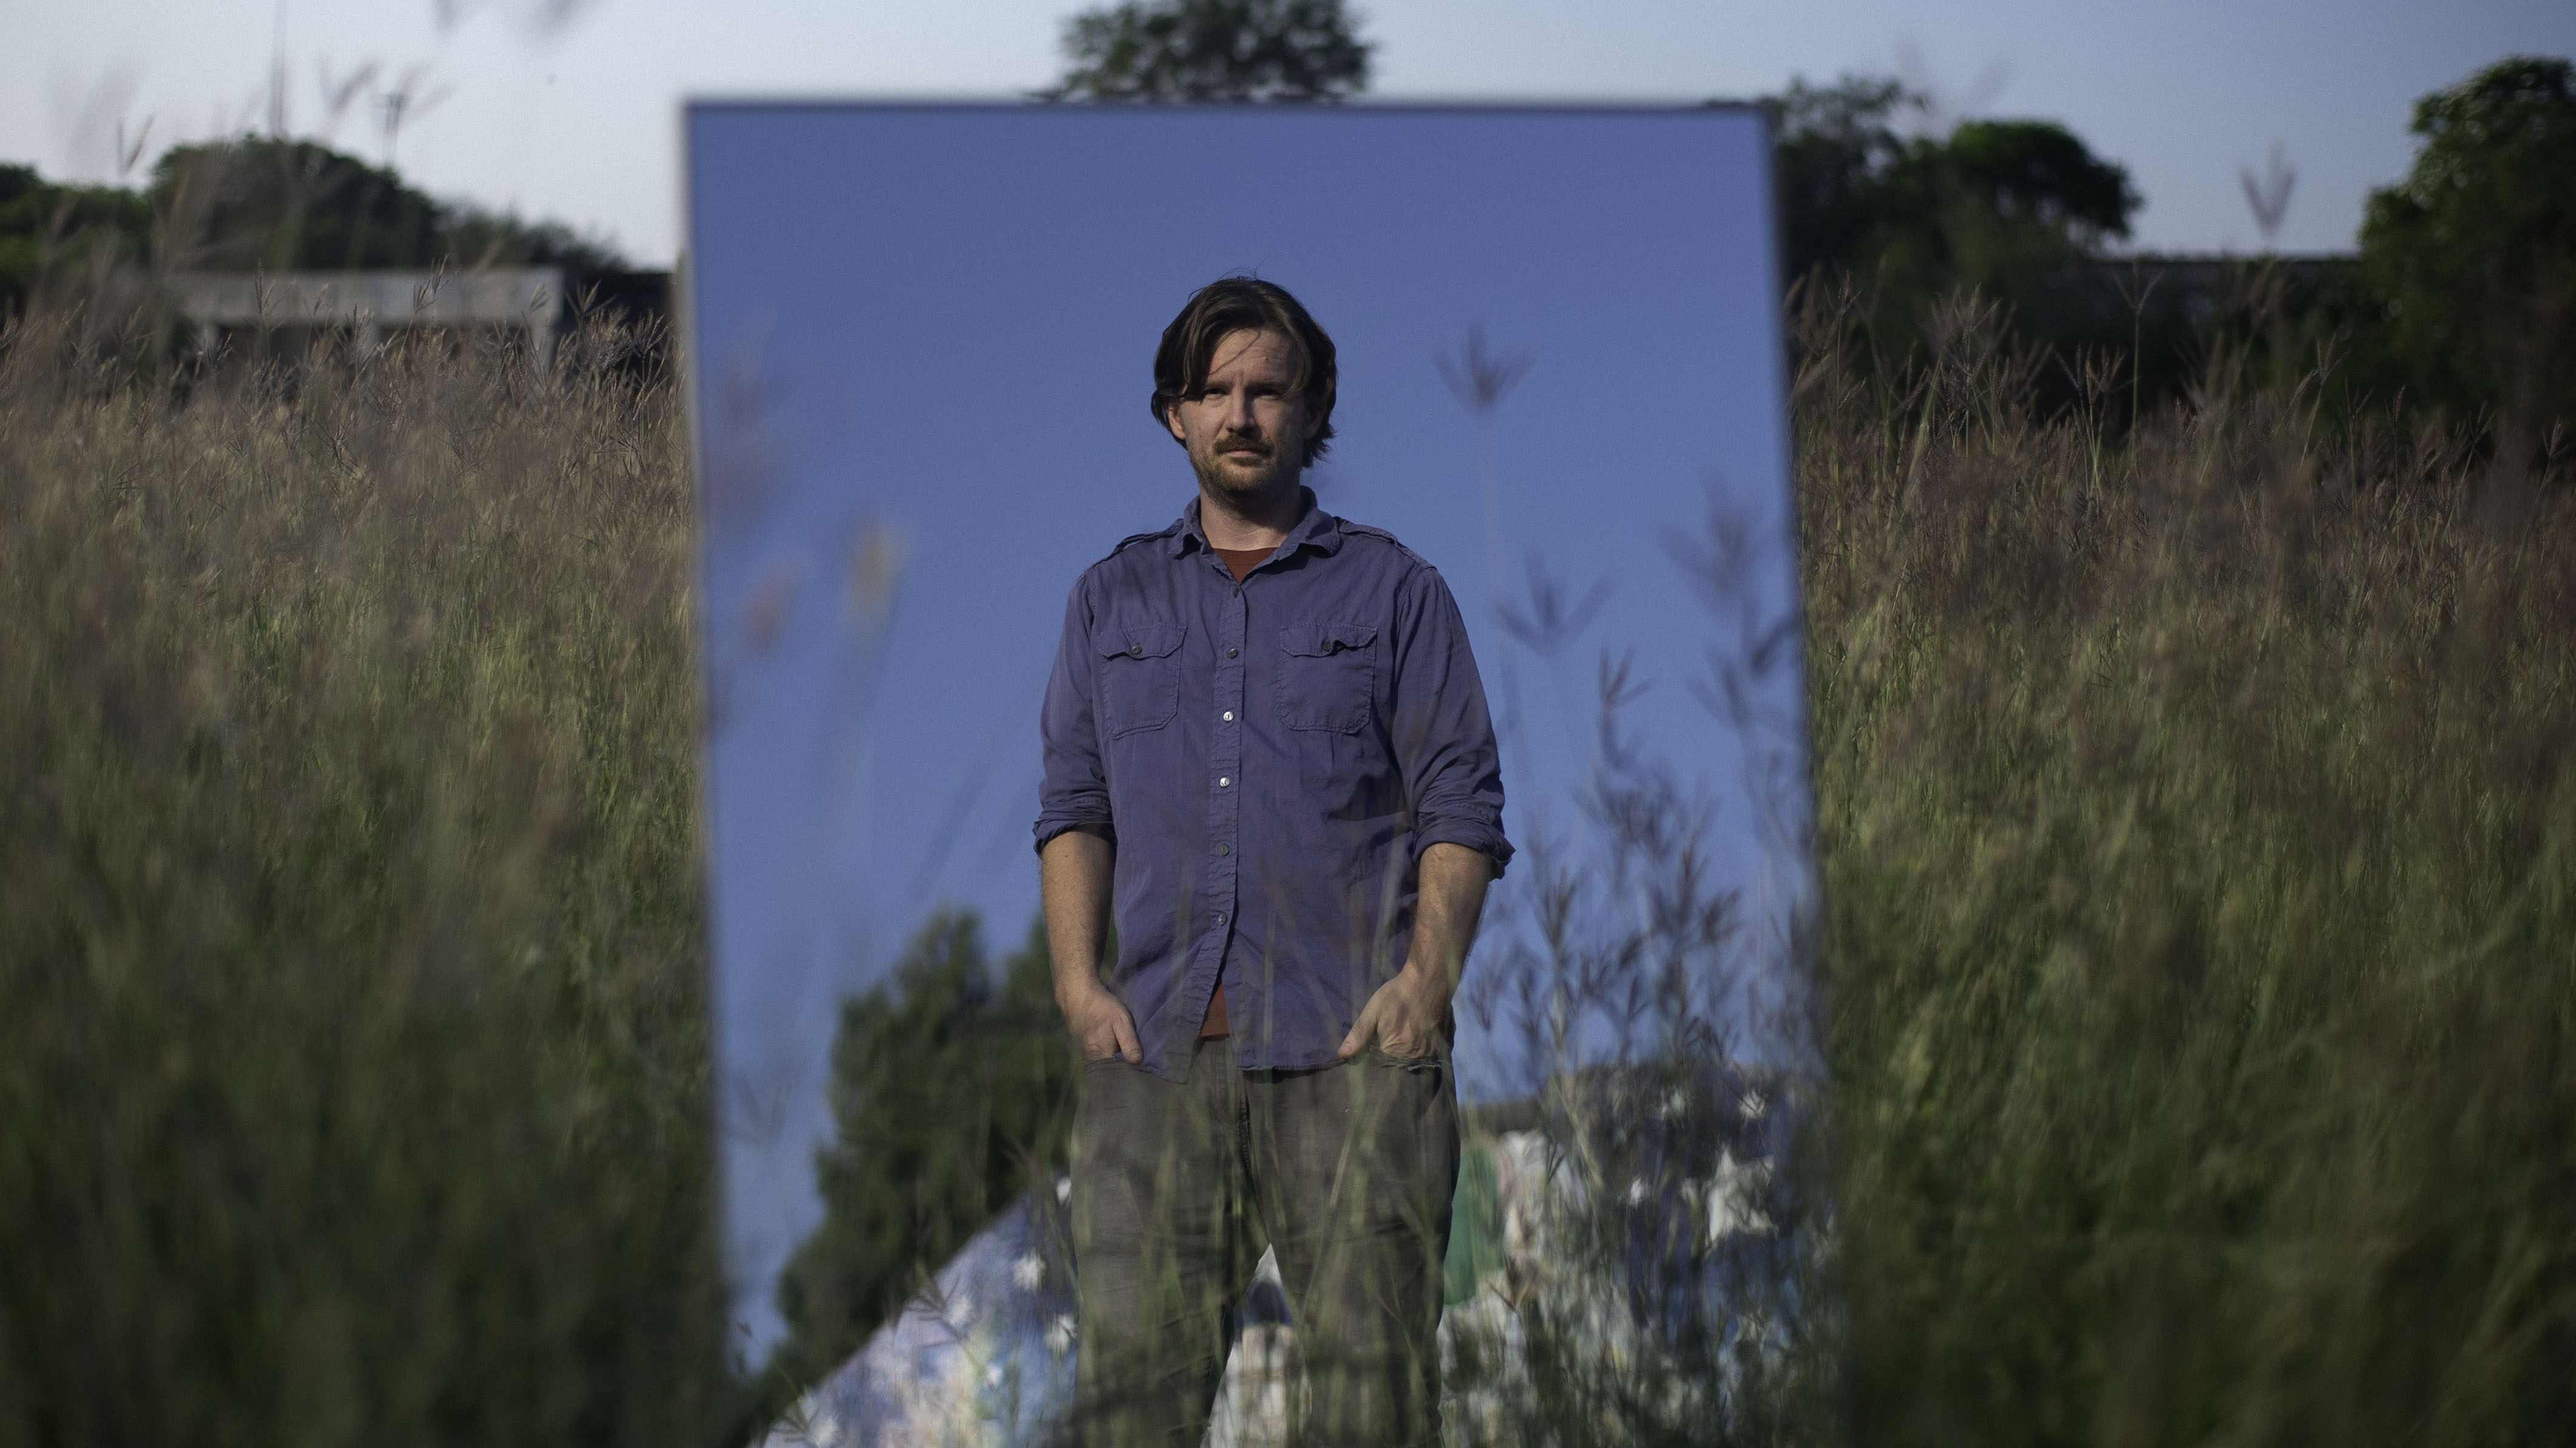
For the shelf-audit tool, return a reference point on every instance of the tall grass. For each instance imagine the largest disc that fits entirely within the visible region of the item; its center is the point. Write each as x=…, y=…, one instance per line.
x=352, y=1079
x=2195, y=825
x=2198, y=840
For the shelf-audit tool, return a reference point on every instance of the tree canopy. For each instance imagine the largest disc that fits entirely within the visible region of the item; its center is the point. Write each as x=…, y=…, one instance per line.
x=1991, y=206
x=1213, y=50
x=47, y=228
x=2473, y=256
x=279, y=205
x=299, y=205
x=264, y=204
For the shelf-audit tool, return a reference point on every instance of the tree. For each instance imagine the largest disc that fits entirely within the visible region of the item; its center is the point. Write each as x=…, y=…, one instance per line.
x=2472, y=258
x=1832, y=149
x=1213, y=50
x=2038, y=176
x=284, y=205
x=1994, y=206
x=469, y=235
x=949, y=1099
x=1999, y=207
x=280, y=205
x=47, y=230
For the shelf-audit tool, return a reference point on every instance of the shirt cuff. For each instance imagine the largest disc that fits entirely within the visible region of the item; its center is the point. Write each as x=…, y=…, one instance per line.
x=1483, y=836
x=1048, y=829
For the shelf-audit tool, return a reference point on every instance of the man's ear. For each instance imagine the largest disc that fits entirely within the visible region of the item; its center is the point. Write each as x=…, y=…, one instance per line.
x=1171, y=419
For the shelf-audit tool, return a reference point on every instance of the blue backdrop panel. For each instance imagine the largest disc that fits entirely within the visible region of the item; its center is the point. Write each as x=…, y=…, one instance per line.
x=921, y=339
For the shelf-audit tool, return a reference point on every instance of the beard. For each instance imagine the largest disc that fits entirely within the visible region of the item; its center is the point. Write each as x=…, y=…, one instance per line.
x=1269, y=466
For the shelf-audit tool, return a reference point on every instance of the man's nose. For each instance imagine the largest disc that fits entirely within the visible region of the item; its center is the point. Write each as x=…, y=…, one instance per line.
x=1238, y=414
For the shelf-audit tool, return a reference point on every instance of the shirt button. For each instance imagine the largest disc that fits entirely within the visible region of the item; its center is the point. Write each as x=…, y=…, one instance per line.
x=1229, y=716
x=1136, y=650
x=1222, y=781
x=1229, y=652
x=1220, y=919
x=1225, y=849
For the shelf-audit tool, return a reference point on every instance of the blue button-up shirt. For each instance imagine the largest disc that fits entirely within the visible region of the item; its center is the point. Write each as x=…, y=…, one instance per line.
x=1269, y=760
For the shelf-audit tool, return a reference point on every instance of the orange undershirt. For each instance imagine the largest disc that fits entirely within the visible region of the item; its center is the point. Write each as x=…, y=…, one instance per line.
x=1242, y=561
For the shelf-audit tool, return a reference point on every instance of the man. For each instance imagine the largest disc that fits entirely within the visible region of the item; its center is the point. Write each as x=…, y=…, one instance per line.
x=1266, y=744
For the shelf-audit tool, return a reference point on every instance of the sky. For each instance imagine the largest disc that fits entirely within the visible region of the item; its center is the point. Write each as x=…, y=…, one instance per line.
x=569, y=109
x=895, y=510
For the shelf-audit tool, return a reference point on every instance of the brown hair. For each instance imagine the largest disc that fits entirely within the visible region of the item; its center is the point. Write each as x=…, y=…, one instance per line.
x=1232, y=304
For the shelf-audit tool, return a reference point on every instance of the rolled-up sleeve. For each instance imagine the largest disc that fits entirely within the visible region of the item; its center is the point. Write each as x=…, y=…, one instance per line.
x=1073, y=786
x=1440, y=730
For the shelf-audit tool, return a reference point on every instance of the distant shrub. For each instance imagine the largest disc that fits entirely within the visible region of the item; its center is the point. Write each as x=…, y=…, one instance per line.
x=2472, y=258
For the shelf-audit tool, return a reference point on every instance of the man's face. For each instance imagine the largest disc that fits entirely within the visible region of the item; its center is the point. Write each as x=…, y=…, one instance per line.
x=1247, y=432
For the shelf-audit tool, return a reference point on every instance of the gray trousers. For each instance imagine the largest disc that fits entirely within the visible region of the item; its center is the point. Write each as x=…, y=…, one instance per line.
x=1346, y=1172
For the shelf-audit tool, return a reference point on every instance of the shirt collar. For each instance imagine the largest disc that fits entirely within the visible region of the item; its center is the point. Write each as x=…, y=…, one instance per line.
x=1318, y=529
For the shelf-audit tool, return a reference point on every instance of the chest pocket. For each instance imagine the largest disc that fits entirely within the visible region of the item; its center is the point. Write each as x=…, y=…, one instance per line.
x=1327, y=676
x=1140, y=680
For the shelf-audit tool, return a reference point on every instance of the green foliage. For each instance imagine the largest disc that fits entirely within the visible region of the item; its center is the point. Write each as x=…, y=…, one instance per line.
x=50, y=232
x=2473, y=256
x=352, y=1046
x=258, y=204
x=278, y=205
x=2464, y=300
x=470, y=236
x=1832, y=150
x=1213, y=50
x=295, y=205
x=2038, y=175
x=950, y=1099
x=1994, y=207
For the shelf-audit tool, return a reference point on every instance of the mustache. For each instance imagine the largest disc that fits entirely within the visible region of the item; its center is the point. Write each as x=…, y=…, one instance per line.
x=1244, y=441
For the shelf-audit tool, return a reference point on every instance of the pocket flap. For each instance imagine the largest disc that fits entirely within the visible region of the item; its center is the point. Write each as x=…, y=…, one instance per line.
x=1314, y=640
x=1140, y=640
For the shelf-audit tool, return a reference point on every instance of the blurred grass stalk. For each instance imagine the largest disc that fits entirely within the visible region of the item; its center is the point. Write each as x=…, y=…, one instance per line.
x=2194, y=822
